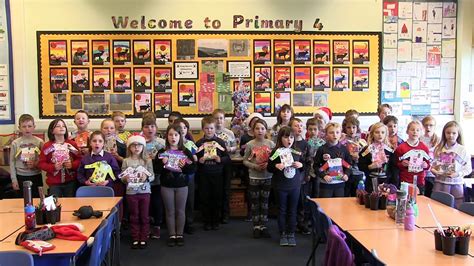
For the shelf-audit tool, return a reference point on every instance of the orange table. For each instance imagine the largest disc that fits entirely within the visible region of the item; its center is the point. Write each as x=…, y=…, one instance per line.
x=349, y=215
x=10, y=223
x=401, y=247
x=67, y=204
x=446, y=215
x=471, y=242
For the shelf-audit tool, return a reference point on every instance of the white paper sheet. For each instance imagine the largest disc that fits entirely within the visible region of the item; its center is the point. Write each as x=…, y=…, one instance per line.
x=419, y=52
x=404, y=51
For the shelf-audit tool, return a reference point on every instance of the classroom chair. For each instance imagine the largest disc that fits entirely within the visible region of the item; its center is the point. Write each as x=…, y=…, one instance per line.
x=467, y=207
x=98, y=245
x=106, y=252
x=96, y=191
x=320, y=225
x=443, y=197
x=17, y=258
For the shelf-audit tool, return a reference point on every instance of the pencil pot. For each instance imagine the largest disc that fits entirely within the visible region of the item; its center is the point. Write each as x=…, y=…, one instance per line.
x=367, y=200
x=449, y=245
x=462, y=245
x=383, y=203
x=437, y=237
x=374, y=202
x=48, y=217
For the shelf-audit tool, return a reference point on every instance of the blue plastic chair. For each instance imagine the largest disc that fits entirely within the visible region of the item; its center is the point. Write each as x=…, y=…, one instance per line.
x=107, y=247
x=17, y=258
x=467, y=207
x=94, y=191
x=320, y=225
x=97, y=246
x=443, y=197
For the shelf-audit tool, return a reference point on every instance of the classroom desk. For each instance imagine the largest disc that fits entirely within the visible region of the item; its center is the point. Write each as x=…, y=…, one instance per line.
x=10, y=224
x=446, y=215
x=67, y=204
x=401, y=247
x=349, y=215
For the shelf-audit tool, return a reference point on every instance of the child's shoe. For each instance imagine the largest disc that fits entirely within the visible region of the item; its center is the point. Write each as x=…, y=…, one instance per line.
x=155, y=232
x=171, y=241
x=135, y=245
x=283, y=240
x=256, y=232
x=291, y=240
x=265, y=233
x=179, y=241
x=143, y=244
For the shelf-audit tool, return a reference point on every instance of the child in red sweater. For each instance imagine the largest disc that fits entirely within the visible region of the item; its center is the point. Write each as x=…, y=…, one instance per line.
x=412, y=156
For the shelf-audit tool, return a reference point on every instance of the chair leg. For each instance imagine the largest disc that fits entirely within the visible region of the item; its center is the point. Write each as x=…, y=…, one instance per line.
x=313, y=254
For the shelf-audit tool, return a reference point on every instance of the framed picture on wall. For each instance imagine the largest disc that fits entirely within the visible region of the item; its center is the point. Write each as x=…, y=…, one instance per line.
x=239, y=47
x=282, y=52
x=141, y=52
x=341, y=52
x=58, y=80
x=101, y=79
x=80, y=52
x=281, y=98
x=322, y=78
x=100, y=52
x=360, y=78
x=340, y=78
x=162, y=55
x=360, y=52
x=213, y=48
x=122, y=52
x=262, y=52
x=142, y=102
x=142, y=79
x=263, y=103
x=239, y=69
x=76, y=102
x=162, y=77
x=162, y=104
x=122, y=79
x=80, y=79
x=322, y=52
x=262, y=78
x=185, y=49
x=121, y=102
x=186, y=70
x=302, y=53
x=186, y=93
x=302, y=79
x=57, y=53
x=282, y=78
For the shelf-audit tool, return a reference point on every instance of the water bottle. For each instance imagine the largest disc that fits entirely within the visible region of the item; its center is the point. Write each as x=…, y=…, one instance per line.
x=410, y=218
x=27, y=194
x=401, y=207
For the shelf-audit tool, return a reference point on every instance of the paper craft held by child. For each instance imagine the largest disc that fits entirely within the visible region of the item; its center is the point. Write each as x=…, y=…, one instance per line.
x=334, y=168
x=101, y=170
x=378, y=152
x=445, y=164
x=82, y=139
x=415, y=157
x=261, y=154
x=174, y=157
x=110, y=144
x=210, y=149
x=136, y=177
x=191, y=146
x=354, y=146
x=28, y=154
x=286, y=158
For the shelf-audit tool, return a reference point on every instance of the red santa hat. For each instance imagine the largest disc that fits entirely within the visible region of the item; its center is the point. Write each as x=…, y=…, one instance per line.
x=325, y=113
x=69, y=232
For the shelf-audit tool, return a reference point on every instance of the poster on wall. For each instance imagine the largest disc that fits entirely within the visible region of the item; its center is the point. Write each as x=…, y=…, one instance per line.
x=57, y=52
x=281, y=98
x=162, y=55
x=122, y=52
x=80, y=80
x=262, y=52
x=58, y=80
x=186, y=93
x=142, y=102
x=361, y=52
x=322, y=78
x=263, y=103
x=100, y=52
x=101, y=79
x=122, y=79
x=282, y=79
x=340, y=78
x=80, y=53
x=262, y=78
x=141, y=52
x=239, y=69
x=213, y=48
x=186, y=70
x=239, y=48
x=162, y=79
x=302, y=79
x=360, y=77
x=302, y=51
x=282, y=52
x=321, y=52
x=162, y=104
x=341, y=52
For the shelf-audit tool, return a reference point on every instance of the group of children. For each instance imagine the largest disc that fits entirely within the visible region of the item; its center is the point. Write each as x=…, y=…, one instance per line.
x=329, y=160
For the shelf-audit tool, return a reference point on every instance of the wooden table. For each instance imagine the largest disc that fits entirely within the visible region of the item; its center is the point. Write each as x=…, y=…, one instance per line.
x=446, y=215
x=471, y=241
x=349, y=215
x=10, y=224
x=401, y=247
x=67, y=204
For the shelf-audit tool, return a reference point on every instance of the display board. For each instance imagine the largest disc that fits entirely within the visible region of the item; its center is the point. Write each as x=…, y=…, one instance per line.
x=419, y=56
x=6, y=66
x=196, y=72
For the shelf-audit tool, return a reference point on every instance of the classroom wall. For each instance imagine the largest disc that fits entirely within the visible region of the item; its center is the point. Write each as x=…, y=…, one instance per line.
x=28, y=16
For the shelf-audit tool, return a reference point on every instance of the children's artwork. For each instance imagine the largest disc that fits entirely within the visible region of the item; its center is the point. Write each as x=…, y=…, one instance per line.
x=390, y=12
x=57, y=53
x=100, y=52
x=435, y=12
x=354, y=145
x=341, y=52
x=186, y=93
x=142, y=79
x=404, y=51
x=213, y=47
x=390, y=40
x=210, y=149
x=340, y=78
x=162, y=54
x=141, y=52
x=322, y=78
x=76, y=102
x=282, y=52
x=101, y=79
x=122, y=77
x=314, y=144
x=162, y=79
x=448, y=48
x=404, y=89
x=185, y=49
x=80, y=52
x=58, y=80
x=302, y=78
x=449, y=9
x=286, y=157
x=207, y=81
x=142, y=102
x=360, y=77
x=80, y=79
x=239, y=69
x=101, y=170
x=361, y=52
x=239, y=48
x=174, y=158
x=415, y=160
x=262, y=78
x=320, y=100
x=434, y=34
x=420, y=11
x=261, y=52
x=82, y=139
x=212, y=66
x=28, y=153
x=206, y=102
x=282, y=78
x=281, y=98
x=60, y=152
x=377, y=152
x=335, y=168
x=186, y=70
x=419, y=52
x=136, y=177
x=260, y=153
x=321, y=50
x=95, y=104
x=263, y=102
x=162, y=104
x=302, y=51
x=122, y=52
x=110, y=144
x=405, y=9
x=302, y=99
x=405, y=29
x=420, y=29
x=223, y=82
x=434, y=56
x=121, y=102
x=449, y=28
x=224, y=101
x=445, y=164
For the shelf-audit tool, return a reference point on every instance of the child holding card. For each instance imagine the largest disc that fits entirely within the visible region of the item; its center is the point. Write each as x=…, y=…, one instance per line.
x=81, y=135
x=60, y=159
x=120, y=121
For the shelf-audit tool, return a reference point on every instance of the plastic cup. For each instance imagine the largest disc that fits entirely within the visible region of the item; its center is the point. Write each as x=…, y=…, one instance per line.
x=449, y=245
x=462, y=245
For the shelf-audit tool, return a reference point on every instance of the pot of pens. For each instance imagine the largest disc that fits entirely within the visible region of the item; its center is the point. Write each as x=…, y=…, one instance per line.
x=452, y=240
x=48, y=210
